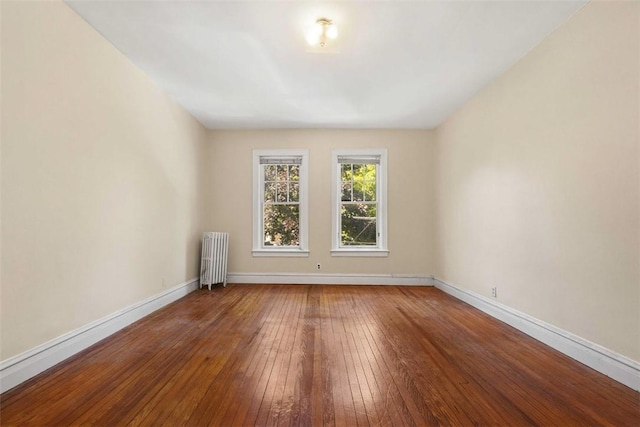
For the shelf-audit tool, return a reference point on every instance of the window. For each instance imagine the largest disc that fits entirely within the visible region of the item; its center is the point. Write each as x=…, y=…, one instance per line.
x=359, y=203
x=280, y=203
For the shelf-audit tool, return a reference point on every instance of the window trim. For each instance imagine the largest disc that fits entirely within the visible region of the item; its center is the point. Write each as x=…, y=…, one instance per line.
x=259, y=250
x=381, y=250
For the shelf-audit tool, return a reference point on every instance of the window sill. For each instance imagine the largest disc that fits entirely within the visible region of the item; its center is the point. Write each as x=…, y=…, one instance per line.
x=286, y=253
x=360, y=252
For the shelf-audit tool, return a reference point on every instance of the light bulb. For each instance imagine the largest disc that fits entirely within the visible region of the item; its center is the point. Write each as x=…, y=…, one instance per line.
x=312, y=38
x=332, y=31
x=314, y=34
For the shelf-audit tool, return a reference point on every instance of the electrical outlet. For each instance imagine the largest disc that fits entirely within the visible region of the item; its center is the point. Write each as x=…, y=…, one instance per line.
x=494, y=292
x=318, y=266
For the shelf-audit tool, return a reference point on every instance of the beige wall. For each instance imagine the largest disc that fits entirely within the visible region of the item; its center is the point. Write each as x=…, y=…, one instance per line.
x=101, y=178
x=538, y=182
x=410, y=215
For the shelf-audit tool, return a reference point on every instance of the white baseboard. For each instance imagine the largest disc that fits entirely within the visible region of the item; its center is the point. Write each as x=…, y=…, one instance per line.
x=330, y=279
x=608, y=362
x=21, y=367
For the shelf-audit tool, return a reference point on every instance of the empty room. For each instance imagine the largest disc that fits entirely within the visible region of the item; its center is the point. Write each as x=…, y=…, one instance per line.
x=385, y=213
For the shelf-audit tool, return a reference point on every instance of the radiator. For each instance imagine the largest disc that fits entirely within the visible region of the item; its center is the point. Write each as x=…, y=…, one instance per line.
x=213, y=268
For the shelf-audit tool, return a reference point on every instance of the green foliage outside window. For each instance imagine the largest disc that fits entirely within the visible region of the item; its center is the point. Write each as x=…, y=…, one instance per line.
x=358, y=209
x=358, y=205
x=282, y=225
x=281, y=205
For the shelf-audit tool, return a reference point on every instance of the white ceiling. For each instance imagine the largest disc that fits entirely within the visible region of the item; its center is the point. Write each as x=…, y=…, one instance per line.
x=244, y=64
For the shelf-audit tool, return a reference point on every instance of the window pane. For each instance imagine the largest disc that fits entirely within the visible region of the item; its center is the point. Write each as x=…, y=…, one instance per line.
x=281, y=195
x=281, y=225
x=282, y=172
x=294, y=172
x=346, y=172
x=346, y=191
x=269, y=191
x=358, y=224
x=370, y=191
x=369, y=182
x=294, y=192
x=358, y=185
x=269, y=172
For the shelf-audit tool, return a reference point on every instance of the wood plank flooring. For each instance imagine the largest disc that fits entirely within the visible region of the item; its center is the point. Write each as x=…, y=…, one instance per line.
x=297, y=355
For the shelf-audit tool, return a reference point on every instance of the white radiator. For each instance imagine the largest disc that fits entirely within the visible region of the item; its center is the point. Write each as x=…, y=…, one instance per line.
x=213, y=268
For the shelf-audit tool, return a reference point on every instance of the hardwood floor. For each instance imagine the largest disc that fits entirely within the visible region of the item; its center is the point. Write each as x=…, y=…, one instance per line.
x=320, y=355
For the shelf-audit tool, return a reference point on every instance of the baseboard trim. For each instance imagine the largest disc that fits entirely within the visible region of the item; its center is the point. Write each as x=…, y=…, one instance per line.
x=330, y=279
x=603, y=360
x=17, y=369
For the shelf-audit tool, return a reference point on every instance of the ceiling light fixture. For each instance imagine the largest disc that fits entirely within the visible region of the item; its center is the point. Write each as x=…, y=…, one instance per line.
x=321, y=31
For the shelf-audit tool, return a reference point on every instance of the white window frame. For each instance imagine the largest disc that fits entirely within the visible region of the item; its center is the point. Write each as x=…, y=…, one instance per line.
x=381, y=249
x=259, y=250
